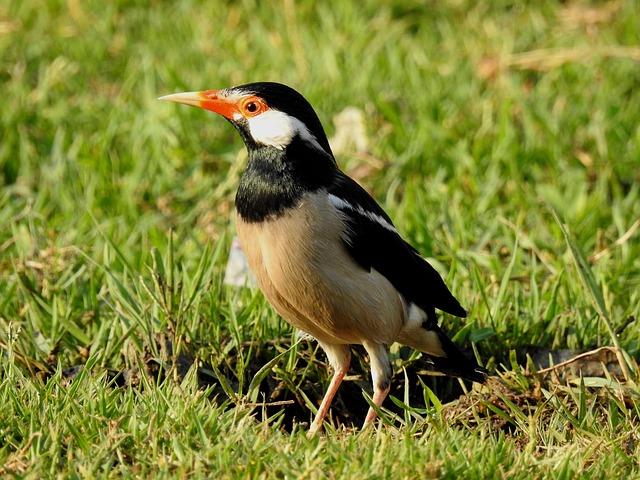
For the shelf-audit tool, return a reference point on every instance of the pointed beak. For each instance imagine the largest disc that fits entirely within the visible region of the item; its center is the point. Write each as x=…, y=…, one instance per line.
x=212, y=100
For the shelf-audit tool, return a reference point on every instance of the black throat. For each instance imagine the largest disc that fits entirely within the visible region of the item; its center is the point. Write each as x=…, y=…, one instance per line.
x=276, y=180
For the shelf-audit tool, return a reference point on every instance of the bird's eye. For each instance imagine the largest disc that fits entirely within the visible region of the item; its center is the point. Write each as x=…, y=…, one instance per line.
x=253, y=106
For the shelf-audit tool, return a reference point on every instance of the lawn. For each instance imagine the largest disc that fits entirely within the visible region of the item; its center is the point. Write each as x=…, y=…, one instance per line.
x=502, y=138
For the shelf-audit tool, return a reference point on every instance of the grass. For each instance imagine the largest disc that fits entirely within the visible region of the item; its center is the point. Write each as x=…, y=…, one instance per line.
x=482, y=119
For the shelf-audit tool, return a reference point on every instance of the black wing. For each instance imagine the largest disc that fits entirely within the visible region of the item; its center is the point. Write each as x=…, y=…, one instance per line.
x=373, y=242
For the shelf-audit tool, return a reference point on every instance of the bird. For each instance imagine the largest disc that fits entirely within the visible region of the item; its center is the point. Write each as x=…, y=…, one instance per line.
x=325, y=254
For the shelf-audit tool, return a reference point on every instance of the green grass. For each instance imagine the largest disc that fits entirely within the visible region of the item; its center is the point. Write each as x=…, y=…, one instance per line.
x=115, y=226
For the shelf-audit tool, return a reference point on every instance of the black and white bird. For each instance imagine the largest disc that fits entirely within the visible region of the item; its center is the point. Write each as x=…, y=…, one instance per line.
x=324, y=253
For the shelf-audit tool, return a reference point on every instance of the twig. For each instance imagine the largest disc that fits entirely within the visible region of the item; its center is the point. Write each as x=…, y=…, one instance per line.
x=620, y=241
x=575, y=359
x=270, y=404
x=549, y=58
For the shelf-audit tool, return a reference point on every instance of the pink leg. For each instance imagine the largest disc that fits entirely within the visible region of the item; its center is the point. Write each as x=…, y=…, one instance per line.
x=326, y=402
x=378, y=398
x=340, y=357
x=381, y=376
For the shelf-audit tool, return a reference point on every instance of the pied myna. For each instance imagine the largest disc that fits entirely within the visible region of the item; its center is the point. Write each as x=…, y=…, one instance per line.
x=325, y=254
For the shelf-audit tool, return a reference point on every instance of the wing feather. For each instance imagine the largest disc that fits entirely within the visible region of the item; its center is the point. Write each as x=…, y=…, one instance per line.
x=373, y=242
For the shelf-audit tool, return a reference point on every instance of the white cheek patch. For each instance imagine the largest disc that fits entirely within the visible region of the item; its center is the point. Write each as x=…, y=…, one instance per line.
x=272, y=128
x=276, y=129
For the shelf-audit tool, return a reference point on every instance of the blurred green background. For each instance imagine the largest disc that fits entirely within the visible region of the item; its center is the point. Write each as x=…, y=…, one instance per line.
x=479, y=118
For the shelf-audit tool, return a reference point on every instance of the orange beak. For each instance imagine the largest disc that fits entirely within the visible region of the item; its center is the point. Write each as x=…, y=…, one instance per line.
x=213, y=100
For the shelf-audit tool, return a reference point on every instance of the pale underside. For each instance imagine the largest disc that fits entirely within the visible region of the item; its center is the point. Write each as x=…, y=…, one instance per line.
x=308, y=276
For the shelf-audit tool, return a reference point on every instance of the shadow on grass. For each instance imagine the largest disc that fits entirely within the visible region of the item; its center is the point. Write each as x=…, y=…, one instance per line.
x=287, y=395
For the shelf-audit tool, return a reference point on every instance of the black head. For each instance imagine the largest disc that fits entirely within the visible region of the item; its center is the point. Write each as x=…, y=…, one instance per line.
x=289, y=153
x=284, y=99
x=265, y=113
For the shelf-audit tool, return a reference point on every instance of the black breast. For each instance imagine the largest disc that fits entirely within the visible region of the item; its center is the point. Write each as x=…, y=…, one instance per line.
x=275, y=180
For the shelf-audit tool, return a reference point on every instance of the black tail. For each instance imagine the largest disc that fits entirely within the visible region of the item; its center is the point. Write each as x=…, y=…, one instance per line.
x=456, y=363
x=444, y=365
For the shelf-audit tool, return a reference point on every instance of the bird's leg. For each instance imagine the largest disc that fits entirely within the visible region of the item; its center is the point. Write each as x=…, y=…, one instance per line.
x=339, y=357
x=326, y=402
x=381, y=376
x=378, y=397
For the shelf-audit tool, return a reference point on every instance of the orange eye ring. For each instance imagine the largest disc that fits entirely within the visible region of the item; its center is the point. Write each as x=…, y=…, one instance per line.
x=252, y=106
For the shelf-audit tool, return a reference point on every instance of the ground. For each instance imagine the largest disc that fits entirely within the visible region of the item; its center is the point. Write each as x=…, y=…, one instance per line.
x=502, y=138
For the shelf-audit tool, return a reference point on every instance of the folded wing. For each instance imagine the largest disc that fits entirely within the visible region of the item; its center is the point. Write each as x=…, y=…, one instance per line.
x=373, y=242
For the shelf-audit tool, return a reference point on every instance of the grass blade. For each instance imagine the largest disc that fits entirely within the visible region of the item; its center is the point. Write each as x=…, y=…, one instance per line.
x=595, y=293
